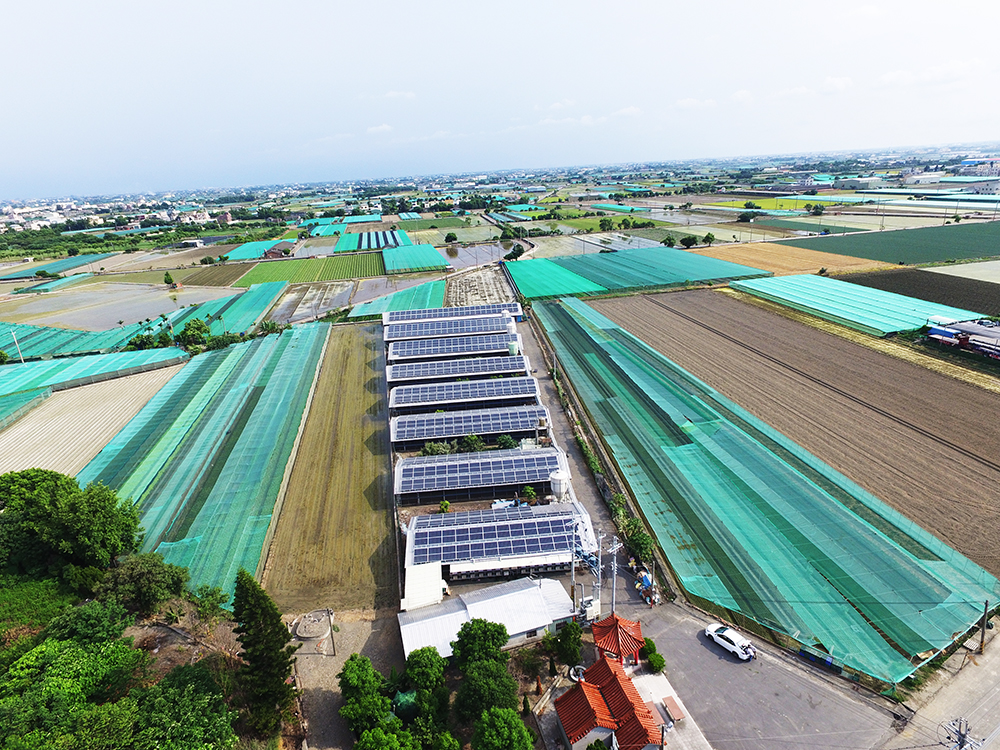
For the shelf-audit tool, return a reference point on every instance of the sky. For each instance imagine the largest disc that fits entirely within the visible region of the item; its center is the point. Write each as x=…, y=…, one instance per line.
x=106, y=97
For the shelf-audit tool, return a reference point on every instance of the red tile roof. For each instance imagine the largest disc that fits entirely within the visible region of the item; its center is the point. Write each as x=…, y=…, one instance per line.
x=607, y=698
x=618, y=636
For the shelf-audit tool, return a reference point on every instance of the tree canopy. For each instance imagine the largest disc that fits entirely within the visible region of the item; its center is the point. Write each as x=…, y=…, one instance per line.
x=479, y=640
x=487, y=684
x=142, y=582
x=501, y=729
x=425, y=668
x=49, y=523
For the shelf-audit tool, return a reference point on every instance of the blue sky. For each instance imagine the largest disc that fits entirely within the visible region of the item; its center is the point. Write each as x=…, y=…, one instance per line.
x=109, y=96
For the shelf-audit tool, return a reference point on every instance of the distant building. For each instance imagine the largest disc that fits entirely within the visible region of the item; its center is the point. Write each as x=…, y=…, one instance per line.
x=224, y=218
x=857, y=183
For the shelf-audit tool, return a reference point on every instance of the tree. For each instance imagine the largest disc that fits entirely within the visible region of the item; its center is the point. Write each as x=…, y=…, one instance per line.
x=568, y=643
x=656, y=662
x=3, y=357
x=142, y=582
x=640, y=544
x=167, y=278
x=669, y=241
x=471, y=444
x=688, y=241
x=378, y=738
x=529, y=493
x=501, y=729
x=606, y=224
x=267, y=657
x=425, y=668
x=504, y=442
x=186, y=709
x=487, y=684
x=479, y=640
x=195, y=333
x=93, y=622
x=444, y=506
x=709, y=239
x=451, y=237
x=49, y=522
x=358, y=676
x=818, y=209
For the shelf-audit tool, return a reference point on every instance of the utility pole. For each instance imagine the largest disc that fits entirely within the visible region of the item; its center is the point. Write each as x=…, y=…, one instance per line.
x=615, y=546
x=12, y=333
x=600, y=569
x=956, y=736
x=982, y=632
x=572, y=565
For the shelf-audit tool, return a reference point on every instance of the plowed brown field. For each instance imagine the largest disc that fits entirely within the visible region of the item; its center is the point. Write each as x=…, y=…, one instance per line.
x=784, y=259
x=926, y=444
x=334, y=541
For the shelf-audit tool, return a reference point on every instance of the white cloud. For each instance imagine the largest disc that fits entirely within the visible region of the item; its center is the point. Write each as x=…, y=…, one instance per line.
x=628, y=112
x=383, y=128
x=586, y=120
x=743, y=96
x=690, y=103
x=400, y=95
x=833, y=83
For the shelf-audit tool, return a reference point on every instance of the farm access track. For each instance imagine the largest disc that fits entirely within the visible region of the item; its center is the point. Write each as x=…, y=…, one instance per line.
x=829, y=386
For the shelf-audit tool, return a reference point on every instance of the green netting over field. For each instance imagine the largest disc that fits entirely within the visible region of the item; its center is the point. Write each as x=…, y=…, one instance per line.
x=420, y=297
x=60, y=374
x=619, y=209
x=235, y=314
x=757, y=525
x=13, y=406
x=653, y=267
x=540, y=278
x=205, y=458
x=42, y=341
x=926, y=245
x=303, y=271
x=50, y=286
x=57, y=266
x=866, y=309
x=807, y=226
x=410, y=258
x=328, y=230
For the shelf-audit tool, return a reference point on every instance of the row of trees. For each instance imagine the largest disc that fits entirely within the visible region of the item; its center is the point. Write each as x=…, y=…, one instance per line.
x=70, y=679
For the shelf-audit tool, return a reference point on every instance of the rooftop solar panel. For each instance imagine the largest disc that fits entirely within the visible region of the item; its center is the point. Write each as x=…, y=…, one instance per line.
x=457, y=368
x=468, y=311
x=432, y=329
x=479, y=535
x=485, y=469
x=512, y=419
x=465, y=390
x=453, y=346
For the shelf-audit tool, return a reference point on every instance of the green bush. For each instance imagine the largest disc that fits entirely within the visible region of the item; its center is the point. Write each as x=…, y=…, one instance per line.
x=656, y=662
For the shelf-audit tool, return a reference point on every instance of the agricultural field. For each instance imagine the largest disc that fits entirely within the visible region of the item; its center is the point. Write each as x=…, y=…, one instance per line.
x=813, y=225
x=139, y=277
x=793, y=203
x=912, y=246
x=445, y=222
x=480, y=287
x=70, y=427
x=553, y=247
x=464, y=234
x=944, y=289
x=369, y=289
x=986, y=271
x=916, y=439
x=224, y=275
x=304, y=301
x=476, y=255
x=297, y=271
x=785, y=259
x=169, y=259
x=334, y=544
x=99, y=307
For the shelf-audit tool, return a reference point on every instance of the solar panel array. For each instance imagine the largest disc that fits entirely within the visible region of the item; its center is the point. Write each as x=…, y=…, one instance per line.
x=511, y=419
x=453, y=346
x=465, y=390
x=430, y=329
x=457, y=368
x=468, y=311
x=468, y=470
x=493, y=535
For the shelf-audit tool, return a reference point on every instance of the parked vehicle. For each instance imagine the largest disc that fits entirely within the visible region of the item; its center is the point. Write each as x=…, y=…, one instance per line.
x=732, y=641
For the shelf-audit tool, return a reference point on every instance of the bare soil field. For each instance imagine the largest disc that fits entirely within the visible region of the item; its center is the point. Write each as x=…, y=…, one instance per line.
x=168, y=259
x=304, y=301
x=924, y=443
x=369, y=289
x=945, y=289
x=785, y=259
x=70, y=427
x=464, y=234
x=480, y=287
x=334, y=544
x=474, y=255
x=218, y=275
x=99, y=307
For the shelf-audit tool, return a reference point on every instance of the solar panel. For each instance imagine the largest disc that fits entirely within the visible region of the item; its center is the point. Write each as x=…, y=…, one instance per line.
x=457, y=368
x=432, y=329
x=485, y=469
x=511, y=419
x=465, y=390
x=453, y=346
x=485, y=534
x=467, y=311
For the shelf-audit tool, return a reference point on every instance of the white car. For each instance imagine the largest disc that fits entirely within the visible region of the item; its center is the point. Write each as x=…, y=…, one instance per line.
x=732, y=641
